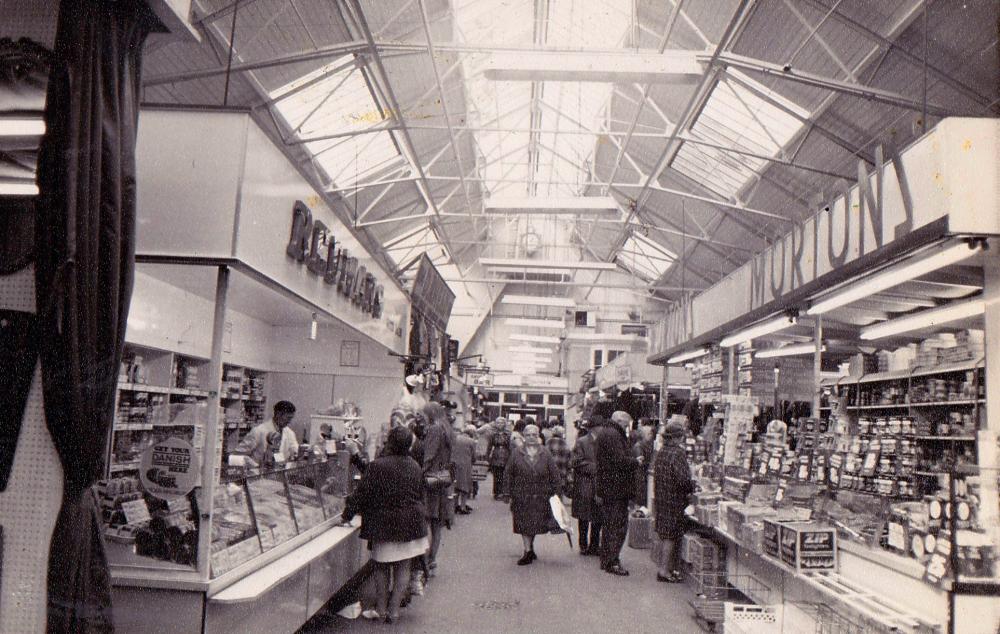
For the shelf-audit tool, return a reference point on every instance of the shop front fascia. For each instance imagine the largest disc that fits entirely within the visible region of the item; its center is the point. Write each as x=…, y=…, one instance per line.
x=937, y=188
x=244, y=276
x=940, y=192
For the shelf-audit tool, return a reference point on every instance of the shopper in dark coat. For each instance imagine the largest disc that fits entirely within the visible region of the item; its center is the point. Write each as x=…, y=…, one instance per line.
x=560, y=451
x=390, y=500
x=497, y=454
x=643, y=448
x=584, y=466
x=438, y=443
x=616, y=468
x=672, y=488
x=463, y=454
x=531, y=478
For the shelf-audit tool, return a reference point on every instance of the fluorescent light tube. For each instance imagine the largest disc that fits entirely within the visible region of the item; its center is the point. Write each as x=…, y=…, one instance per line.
x=574, y=205
x=530, y=349
x=789, y=350
x=534, y=338
x=18, y=126
x=687, y=356
x=547, y=265
x=313, y=328
x=925, y=319
x=895, y=276
x=535, y=323
x=18, y=189
x=766, y=328
x=534, y=300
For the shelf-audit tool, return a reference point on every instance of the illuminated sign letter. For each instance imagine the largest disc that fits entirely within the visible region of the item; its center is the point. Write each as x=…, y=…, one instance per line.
x=302, y=221
x=316, y=264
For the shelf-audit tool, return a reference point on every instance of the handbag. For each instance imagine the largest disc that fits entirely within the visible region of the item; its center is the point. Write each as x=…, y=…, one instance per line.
x=438, y=479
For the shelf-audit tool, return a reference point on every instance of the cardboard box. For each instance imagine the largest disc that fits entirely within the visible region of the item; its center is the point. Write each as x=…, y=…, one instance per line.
x=770, y=543
x=806, y=546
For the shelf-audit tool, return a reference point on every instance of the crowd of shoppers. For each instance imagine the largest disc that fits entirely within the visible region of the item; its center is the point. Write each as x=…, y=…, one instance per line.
x=423, y=475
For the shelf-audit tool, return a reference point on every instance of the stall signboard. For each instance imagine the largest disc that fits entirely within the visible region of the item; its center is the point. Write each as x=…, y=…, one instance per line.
x=431, y=295
x=937, y=184
x=478, y=377
x=170, y=468
x=240, y=201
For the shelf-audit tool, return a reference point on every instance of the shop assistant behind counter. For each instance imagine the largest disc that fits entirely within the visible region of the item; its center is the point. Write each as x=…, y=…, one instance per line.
x=255, y=444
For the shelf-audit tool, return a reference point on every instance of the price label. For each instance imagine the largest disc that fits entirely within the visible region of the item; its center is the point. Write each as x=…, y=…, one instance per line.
x=939, y=563
x=136, y=511
x=178, y=505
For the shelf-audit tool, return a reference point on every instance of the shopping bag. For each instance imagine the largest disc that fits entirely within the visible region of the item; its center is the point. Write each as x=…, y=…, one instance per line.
x=562, y=517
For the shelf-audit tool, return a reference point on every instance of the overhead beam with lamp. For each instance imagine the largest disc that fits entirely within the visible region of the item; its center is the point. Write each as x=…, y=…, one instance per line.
x=564, y=205
x=669, y=67
x=521, y=264
x=535, y=300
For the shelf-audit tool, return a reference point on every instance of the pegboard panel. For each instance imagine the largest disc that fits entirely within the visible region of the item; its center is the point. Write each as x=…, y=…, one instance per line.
x=29, y=506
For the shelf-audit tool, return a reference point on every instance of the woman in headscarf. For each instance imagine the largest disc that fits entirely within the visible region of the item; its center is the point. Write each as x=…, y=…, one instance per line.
x=531, y=478
x=672, y=487
x=584, y=465
x=439, y=439
x=389, y=499
x=463, y=455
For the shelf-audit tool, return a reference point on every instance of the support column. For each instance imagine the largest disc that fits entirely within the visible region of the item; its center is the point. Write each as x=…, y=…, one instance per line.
x=209, y=454
x=817, y=365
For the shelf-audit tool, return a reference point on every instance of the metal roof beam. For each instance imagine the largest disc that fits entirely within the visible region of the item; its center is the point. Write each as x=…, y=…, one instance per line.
x=943, y=76
x=769, y=69
x=336, y=50
x=666, y=67
x=395, y=111
x=691, y=109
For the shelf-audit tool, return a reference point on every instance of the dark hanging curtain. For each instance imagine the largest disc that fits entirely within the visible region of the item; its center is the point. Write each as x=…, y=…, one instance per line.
x=84, y=258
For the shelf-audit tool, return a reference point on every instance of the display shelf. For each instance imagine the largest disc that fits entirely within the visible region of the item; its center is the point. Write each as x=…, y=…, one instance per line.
x=895, y=375
x=142, y=387
x=944, y=368
x=948, y=403
x=921, y=404
x=952, y=438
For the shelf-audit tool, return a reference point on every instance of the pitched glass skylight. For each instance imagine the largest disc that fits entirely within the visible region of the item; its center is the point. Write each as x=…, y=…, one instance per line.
x=421, y=240
x=735, y=117
x=544, y=163
x=333, y=100
x=645, y=258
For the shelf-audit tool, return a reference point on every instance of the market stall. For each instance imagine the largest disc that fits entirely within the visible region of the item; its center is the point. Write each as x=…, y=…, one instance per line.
x=250, y=291
x=871, y=504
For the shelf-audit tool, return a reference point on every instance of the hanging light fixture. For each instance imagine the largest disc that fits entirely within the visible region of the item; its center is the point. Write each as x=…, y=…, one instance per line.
x=687, y=356
x=925, y=319
x=897, y=275
x=789, y=350
x=765, y=328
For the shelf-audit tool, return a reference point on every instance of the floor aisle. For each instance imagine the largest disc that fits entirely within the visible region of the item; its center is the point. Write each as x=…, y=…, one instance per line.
x=479, y=588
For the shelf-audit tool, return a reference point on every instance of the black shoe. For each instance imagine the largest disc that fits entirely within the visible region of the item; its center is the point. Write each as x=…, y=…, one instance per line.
x=526, y=559
x=592, y=552
x=534, y=557
x=468, y=509
x=616, y=569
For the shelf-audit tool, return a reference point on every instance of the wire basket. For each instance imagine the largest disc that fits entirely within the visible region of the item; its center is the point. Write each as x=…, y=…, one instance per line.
x=710, y=607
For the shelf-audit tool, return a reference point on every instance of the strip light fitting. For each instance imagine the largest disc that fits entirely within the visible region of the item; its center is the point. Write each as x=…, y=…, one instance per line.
x=531, y=349
x=534, y=300
x=790, y=350
x=687, y=356
x=896, y=275
x=18, y=189
x=925, y=319
x=19, y=126
x=535, y=323
x=765, y=328
x=534, y=338
x=547, y=265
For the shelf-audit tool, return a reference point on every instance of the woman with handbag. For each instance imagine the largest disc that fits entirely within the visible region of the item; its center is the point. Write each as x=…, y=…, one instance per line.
x=531, y=478
x=389, y=499
x=439, y=482
x=672, y=486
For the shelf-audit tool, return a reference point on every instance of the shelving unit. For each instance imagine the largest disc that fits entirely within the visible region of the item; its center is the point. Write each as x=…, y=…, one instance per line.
x=243, y=403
